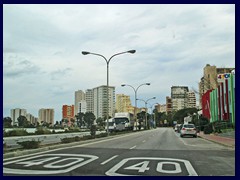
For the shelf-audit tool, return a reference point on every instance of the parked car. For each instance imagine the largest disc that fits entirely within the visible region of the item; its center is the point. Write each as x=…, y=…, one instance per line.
x=188, y=130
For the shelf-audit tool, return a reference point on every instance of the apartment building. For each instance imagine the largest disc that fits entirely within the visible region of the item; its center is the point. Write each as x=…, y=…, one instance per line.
x=191, y=100
x=168, y=105
x=123, y=103
x=68, y=112
x=89, y=100
x=15, y=113
x=46, y=115
x=33, y=120
x=79, y=96
x=209, y=80
x=100, y=101
x=179, y=97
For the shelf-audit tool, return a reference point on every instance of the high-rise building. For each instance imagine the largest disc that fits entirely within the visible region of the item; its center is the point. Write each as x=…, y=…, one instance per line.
x=79, y=96
x=123, y=103
x=191, y=99
x=82, y=107
x=46, y=115
x=68, y=112
x=100, y=101
x=179, y=97
x=15, y=113
x=209, y=81
x=168, y=105
x=89, y=100
x=31, y=119
x=161, y=108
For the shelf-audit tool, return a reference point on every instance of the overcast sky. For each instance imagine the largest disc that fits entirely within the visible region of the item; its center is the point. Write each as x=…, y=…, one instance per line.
x=42, y=44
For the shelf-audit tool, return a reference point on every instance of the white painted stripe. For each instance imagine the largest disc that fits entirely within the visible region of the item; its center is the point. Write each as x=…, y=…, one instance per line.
x=133, y=147
x=144, y=141
x=109, y=160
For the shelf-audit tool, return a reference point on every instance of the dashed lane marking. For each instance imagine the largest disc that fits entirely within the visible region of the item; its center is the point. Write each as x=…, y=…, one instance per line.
x=109, y=160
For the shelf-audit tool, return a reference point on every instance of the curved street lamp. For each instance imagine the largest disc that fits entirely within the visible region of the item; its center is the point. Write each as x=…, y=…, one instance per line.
x=108, y=61
x=146, y=108
x=135, y=92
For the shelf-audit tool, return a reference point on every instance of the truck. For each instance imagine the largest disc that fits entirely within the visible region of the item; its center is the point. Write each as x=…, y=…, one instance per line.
x=111, y=125
x=124, y=121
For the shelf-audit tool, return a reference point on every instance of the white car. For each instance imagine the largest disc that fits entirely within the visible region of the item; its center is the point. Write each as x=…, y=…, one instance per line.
x=188, y=129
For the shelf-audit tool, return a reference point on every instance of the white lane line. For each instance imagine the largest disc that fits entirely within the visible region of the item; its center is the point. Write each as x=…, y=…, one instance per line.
x=144, y=141
x=109, y=160
x=133, y=147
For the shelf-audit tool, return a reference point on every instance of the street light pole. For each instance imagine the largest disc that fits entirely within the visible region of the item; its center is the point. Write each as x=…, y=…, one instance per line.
x=146, y=109
x=135, y=92
x=154, y=119
x=108, y=61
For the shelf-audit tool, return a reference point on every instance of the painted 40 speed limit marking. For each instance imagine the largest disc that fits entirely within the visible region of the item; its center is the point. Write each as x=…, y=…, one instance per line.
x=142, y=167
x=48, y=164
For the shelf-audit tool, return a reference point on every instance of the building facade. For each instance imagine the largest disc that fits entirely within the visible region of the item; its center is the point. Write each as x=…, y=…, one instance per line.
x=210, y=79
x=15, y=113
x=79, y=96
x=123, y=103
x=46, y=115
x=31, y=119
x=179, y=97
x=100, y=101
x=168, y=105
x=89, y=100
x=68, y=112
x=191, y=97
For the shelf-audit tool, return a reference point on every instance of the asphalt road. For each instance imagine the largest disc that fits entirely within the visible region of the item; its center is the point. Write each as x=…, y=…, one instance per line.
x=158, y=152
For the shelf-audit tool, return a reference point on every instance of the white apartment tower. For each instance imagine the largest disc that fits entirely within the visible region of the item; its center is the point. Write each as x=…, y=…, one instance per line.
x=89, y=100
x=79, y=96
x=46, y=115
x=82, y=107
x=15, y=113
x=100, y=101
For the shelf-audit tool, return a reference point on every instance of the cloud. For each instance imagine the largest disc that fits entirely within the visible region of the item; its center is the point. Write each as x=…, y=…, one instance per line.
x=42, y=47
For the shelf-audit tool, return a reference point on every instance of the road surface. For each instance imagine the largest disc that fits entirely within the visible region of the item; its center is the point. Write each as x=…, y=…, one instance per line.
x=157, y=152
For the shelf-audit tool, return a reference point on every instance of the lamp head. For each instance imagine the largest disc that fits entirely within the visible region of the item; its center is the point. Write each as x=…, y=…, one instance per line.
x=132, y=51
x=85, y=52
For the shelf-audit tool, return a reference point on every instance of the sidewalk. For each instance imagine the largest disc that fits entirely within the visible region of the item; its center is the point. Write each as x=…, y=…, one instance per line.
x=226, y=141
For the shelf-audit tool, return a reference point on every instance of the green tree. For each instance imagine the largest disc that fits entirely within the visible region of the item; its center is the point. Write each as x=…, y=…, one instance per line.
x=89, y=118
x=22, y=121
x=180, y=114
x=72, y=121
x=79, y=118
x=100, y=121
x=7, y=122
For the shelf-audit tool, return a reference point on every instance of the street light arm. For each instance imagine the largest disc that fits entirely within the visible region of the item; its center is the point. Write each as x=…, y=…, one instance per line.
x=142, y=85
x=129, y=86
x=85, y=53
x=131, y=51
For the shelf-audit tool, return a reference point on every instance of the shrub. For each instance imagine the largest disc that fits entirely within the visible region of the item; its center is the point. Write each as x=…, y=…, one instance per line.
x=17, y=132
x=70, y=139
x=41, y=130
x=30, y=144
x=208, y=129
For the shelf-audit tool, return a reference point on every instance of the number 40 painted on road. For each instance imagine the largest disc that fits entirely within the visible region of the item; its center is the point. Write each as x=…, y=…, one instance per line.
x=142, y=167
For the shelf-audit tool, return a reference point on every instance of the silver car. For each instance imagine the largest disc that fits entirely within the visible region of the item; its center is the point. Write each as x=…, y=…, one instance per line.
x=188, y=129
